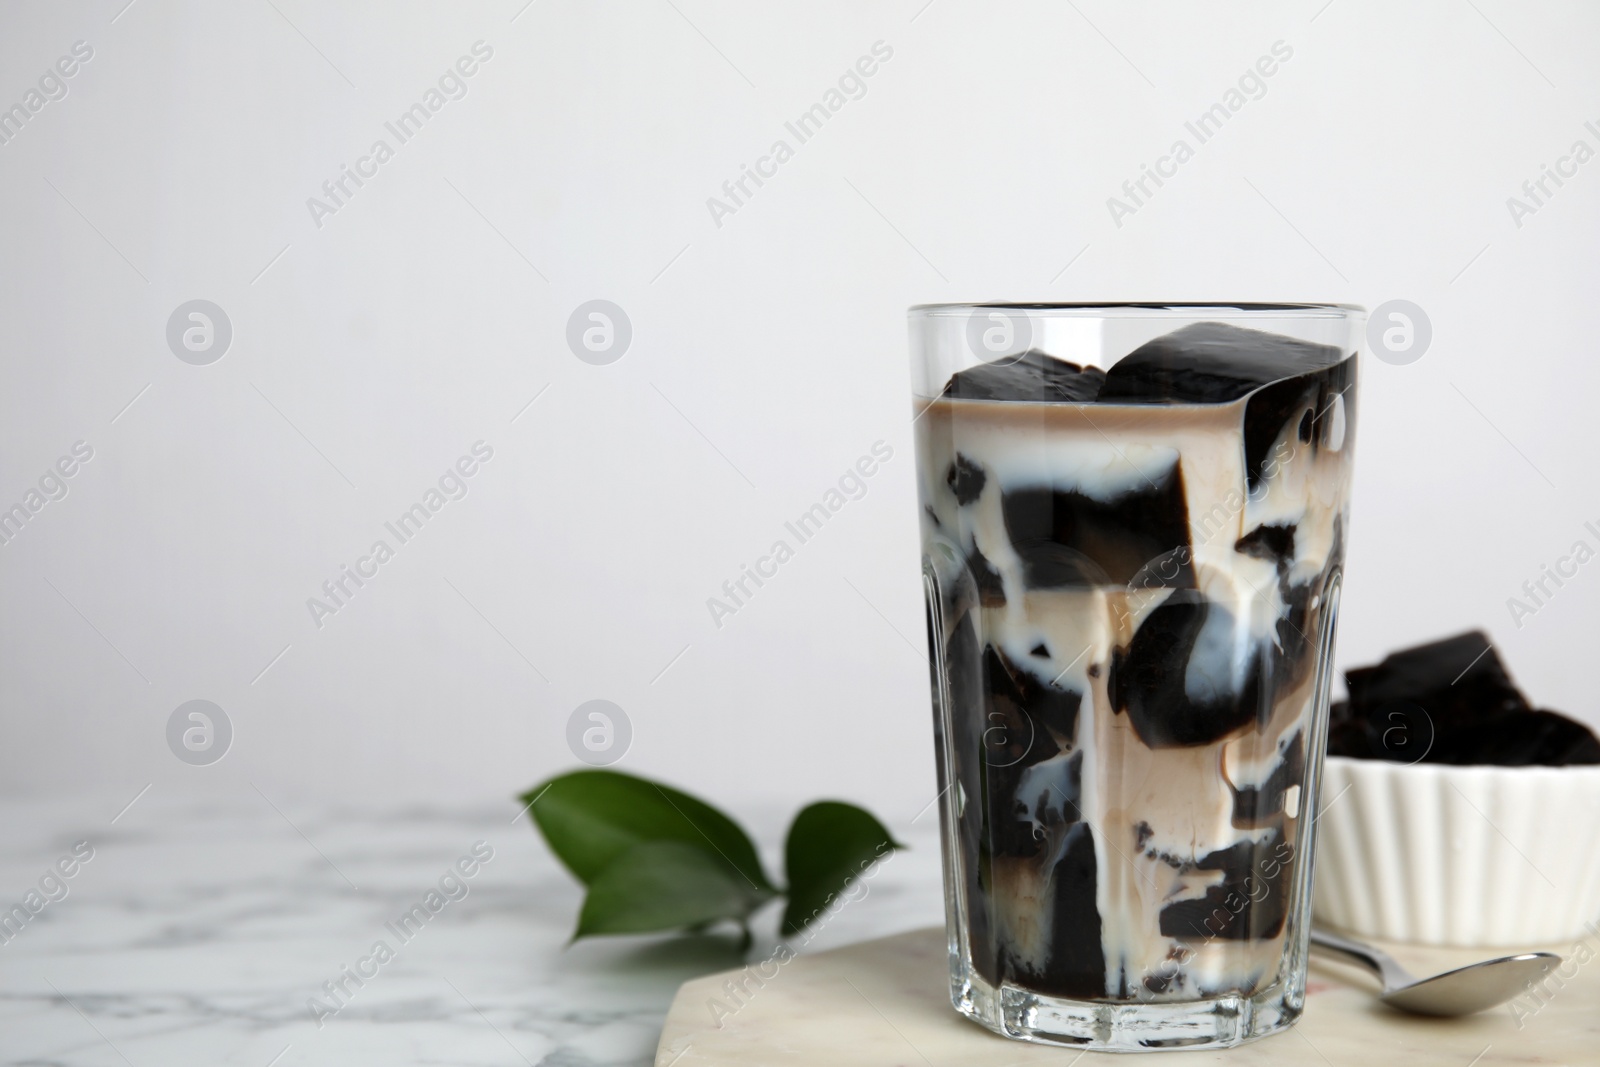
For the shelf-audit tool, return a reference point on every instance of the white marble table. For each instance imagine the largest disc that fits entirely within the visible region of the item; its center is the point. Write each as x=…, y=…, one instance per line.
x=200, y=929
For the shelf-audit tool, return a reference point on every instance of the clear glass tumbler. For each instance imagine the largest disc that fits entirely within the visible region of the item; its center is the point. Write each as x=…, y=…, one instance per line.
x=1133, y=524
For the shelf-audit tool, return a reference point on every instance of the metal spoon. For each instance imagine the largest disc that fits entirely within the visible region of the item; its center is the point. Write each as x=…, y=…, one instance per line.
x=1458, y=992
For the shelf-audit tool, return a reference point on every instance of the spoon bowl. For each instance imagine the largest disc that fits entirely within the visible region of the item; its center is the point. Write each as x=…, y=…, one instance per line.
x=1459, y=992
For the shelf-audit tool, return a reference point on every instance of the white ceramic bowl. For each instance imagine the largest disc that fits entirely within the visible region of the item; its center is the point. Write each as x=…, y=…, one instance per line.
x=1443, y=855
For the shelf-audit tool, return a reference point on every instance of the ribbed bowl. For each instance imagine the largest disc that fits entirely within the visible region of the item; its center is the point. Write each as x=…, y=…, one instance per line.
x=1443, y=855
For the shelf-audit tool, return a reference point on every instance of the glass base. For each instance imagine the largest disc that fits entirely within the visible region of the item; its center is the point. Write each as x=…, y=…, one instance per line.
x=1104, y=1026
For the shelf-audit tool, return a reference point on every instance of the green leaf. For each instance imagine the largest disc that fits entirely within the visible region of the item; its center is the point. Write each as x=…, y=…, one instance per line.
x=830, y=843
x=591, y=817
x=665, y=885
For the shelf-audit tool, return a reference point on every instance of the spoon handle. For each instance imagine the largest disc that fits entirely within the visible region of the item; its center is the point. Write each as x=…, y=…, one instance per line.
x=1376, y=960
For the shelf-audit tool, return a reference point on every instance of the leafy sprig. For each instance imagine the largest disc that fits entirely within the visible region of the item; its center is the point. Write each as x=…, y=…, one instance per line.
x=657, y=859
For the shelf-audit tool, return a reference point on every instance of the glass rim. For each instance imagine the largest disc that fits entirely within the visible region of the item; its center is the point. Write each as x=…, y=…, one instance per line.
x=1136, y=308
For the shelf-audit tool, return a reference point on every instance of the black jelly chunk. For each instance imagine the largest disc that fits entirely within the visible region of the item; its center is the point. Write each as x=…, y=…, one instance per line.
x=1250, y=902
x=1272, y=542
x=1032, y=376
x=1532, y=738
x=1254, y=806
x=1066, y=538
x=1077, y=958
x=1288, y=416
x=991, y=590
x=1297, y=629
x=1451, y=701
x=1023, y=722
x=966, y=479
x=1460, y=677
x=1076, y=964
x=1149, y=680
x=1211, y=363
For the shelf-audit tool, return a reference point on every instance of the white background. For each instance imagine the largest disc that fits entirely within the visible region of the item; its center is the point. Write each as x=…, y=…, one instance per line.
x=768, y=353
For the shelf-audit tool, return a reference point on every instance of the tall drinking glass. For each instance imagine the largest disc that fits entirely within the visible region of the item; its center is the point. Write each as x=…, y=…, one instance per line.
x=1133, y=524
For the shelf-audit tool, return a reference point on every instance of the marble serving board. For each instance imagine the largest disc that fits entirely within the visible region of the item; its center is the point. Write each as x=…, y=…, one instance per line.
x=886, y=1003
